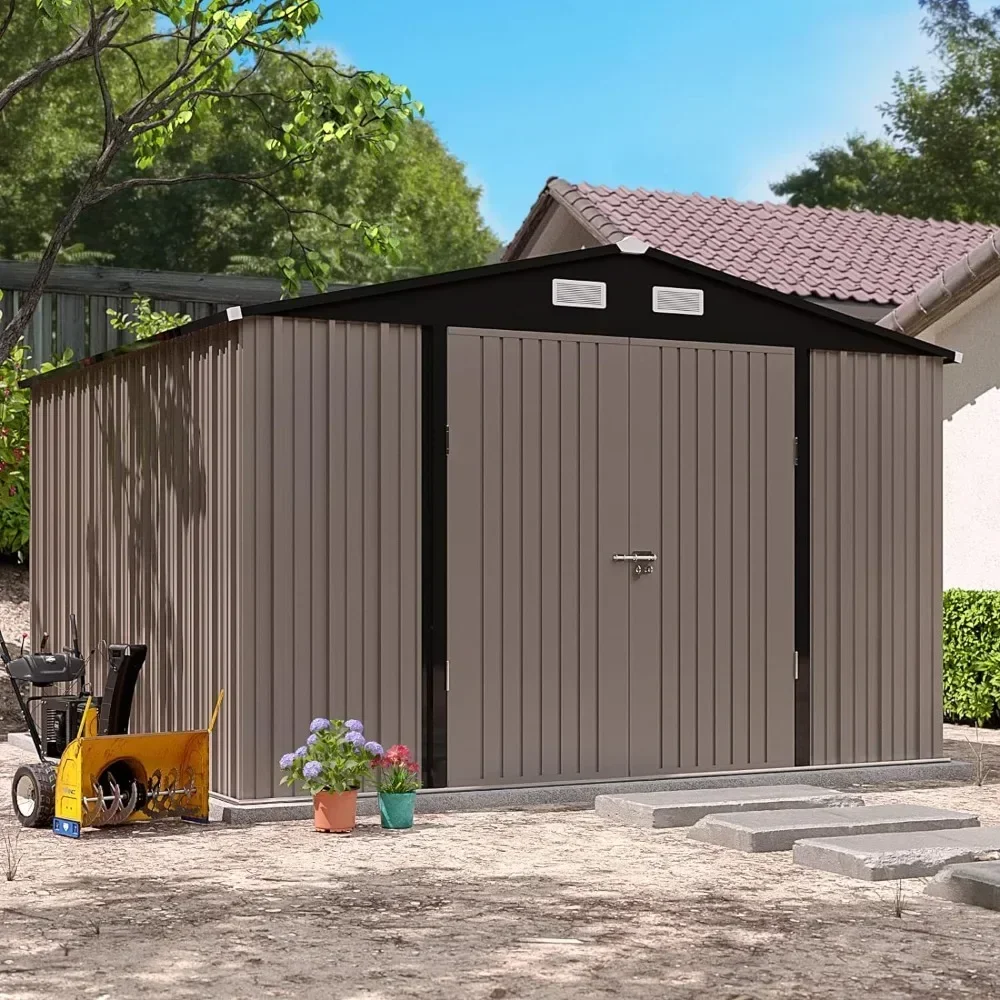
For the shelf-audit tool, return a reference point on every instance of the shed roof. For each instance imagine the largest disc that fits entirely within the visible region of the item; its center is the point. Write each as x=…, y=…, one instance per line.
x=410, y=297
x=818, y=252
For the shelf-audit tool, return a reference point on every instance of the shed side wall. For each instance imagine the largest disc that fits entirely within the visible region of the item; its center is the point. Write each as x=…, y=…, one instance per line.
x=331, y=619
x=135, y=527
x=875, y=649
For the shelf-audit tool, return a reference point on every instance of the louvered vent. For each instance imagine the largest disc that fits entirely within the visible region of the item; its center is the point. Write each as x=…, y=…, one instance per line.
x=687, y=301
x=580, y=294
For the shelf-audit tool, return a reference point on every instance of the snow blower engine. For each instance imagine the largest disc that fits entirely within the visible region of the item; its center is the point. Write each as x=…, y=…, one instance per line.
x=91, y=771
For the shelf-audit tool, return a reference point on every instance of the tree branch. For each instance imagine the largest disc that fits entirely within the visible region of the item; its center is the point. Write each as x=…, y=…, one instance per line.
x=109, y=108
x=103, y=193
x=7, y=19
x=135, y=62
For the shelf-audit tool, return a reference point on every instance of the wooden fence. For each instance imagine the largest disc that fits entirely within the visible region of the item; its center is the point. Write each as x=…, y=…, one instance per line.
x=73, y=311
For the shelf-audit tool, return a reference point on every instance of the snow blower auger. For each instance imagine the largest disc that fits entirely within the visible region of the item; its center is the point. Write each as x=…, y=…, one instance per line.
x=105, y=776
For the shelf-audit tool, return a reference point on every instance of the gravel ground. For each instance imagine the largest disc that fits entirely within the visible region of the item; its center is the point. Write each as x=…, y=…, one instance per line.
x=553, y=904
x=15, y=618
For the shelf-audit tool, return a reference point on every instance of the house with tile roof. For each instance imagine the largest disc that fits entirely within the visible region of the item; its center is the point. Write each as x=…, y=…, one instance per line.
x=959, y=308
x=859, y=263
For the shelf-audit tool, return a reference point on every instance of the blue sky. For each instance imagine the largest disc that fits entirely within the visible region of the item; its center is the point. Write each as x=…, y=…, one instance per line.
x=717, y=96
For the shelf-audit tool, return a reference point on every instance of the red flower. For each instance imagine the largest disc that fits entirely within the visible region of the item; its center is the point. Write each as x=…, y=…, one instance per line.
x=13, y=490
x=17, y=453
x=413, y=767
x=398, y=754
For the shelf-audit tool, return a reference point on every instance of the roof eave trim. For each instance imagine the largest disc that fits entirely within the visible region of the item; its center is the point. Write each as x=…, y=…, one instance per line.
x=950, y=288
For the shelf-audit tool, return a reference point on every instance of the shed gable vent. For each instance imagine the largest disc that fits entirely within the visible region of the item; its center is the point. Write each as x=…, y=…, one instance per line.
x=580, y=294
x=687, y=301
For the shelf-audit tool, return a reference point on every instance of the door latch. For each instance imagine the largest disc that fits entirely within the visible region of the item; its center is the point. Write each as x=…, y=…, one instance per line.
x=642, y=560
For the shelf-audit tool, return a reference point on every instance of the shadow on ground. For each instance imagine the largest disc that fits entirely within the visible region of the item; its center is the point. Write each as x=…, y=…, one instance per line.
x=370, y=934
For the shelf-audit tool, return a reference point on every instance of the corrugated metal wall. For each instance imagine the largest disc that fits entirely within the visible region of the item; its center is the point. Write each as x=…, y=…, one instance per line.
x=134, y=525
x=876, y=557
x=565, y=663
x=331, y=533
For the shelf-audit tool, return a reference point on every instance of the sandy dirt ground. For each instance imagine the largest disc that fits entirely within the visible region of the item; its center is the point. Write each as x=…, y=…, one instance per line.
x=488, y=905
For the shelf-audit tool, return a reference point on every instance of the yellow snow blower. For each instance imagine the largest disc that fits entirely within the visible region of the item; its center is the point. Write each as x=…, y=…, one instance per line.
x=105, y=776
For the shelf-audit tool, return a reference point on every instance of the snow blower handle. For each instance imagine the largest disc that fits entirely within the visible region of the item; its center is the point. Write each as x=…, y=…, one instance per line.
x=4, y=651
x=74, y=632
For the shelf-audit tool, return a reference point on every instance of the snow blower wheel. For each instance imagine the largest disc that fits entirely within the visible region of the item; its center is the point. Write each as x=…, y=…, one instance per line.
x=34, y=795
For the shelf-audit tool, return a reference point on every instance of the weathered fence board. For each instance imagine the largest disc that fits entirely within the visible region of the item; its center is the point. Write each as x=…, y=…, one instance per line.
x=72, y=313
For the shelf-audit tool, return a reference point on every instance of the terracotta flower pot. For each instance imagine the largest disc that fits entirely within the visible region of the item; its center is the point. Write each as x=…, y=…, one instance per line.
x=335, y=812
x=396, y=809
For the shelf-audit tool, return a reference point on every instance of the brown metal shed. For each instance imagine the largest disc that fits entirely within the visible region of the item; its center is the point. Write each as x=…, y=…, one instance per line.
x=434, y=505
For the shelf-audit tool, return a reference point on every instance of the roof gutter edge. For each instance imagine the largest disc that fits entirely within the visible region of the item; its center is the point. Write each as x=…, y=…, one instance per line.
x=942, y=294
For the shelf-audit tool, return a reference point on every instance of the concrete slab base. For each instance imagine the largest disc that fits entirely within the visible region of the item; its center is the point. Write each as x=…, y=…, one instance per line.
x=779, y=829
x=878, y=857
x=977, y=884
x=581, y=794
x=660, y=810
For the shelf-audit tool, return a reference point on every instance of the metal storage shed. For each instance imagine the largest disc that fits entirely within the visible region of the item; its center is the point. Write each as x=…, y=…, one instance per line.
x=433, y=504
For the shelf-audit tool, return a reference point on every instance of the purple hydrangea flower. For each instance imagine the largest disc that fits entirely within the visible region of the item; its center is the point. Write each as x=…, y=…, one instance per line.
x=312, y=769
x=374, y=748
x=313, y=737
x=355, y=738
x=302, y=751
x=354, y=725
x=287, y=759
x=317, y=724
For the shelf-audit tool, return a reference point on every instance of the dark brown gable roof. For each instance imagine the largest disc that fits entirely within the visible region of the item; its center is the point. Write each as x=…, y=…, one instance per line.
x=814, y=252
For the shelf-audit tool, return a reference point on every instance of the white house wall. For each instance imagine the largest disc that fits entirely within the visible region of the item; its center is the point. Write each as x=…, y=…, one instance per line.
x=972, y=441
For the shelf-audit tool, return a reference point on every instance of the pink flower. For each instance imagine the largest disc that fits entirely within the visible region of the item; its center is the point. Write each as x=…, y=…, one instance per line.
x=398, y=754
x=13, y=490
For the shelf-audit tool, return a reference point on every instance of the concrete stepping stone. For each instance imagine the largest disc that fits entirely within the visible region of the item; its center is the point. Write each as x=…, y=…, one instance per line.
x=778, y=830
x=977, y=884
x=876, y=857
x=659, y=810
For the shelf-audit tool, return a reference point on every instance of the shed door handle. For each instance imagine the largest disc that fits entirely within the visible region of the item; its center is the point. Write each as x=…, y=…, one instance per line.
x=634, y=557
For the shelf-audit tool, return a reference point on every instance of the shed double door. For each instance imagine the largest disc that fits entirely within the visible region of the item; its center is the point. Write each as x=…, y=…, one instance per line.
x=572, y=653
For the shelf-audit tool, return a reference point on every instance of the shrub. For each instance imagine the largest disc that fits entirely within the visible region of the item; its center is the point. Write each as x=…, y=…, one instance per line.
x=971, y=656
x=15, y=482
x=144, y=321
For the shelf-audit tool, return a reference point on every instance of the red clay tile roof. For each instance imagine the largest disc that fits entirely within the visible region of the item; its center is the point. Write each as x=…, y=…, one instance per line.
x=826, y=253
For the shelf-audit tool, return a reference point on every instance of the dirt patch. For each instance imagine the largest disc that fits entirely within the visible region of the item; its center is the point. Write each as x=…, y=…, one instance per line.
x=15, y=618
x=484, y=905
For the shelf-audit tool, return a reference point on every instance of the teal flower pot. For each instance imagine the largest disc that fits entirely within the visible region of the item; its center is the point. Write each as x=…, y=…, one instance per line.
x=396, y=809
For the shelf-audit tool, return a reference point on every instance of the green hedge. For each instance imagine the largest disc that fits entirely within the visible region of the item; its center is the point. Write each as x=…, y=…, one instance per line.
x=971, y=669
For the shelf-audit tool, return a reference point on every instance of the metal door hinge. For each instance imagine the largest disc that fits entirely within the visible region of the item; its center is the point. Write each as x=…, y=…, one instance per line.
x=796, y=664
x=447, y=675
x=447, y=439
x=795, y=451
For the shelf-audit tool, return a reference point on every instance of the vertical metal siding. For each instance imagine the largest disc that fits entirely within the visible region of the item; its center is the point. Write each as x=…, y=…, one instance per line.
x=565, y=450
x=331, y=611
x=135, y=527
x=876, y=557
x=711, y=479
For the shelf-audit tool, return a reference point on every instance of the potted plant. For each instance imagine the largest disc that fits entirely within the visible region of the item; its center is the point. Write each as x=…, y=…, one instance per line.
x=397, y=780
x=332, y=763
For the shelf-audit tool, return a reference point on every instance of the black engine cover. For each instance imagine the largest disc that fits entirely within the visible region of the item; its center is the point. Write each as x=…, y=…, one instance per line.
x=42, y=669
